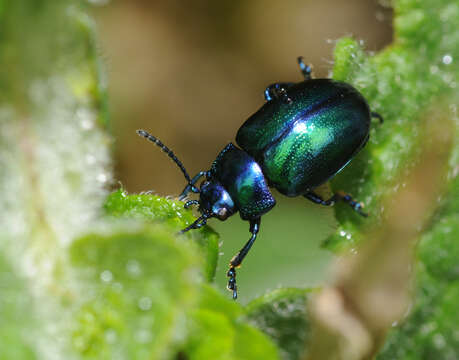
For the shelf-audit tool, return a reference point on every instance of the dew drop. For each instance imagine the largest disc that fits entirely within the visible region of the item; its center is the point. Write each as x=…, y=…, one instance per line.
x=85, y=117
x=90, y=159
x=447, y=59
x=433, y=69
x=79, y=343
x=144, y=303
x=99, y=2
x=439, y=341
x=102, y=178
x=118, y=287
x=427, y=328
x=447, y=78
x=106, y=276
x=133, y=268
x=110, y=336
x=86, y=124
x=143, y=336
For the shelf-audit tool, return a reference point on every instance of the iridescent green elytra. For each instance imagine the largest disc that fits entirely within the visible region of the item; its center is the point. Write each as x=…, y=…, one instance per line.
x=302, y=144
x=304, y=134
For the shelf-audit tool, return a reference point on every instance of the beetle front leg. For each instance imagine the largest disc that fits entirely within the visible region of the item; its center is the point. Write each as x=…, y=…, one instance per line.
x=190, y=186
x=338, y=196
x=239, y=257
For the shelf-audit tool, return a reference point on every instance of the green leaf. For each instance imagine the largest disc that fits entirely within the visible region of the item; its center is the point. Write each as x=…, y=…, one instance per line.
x=168, y=212
x=17, y=320
x=282, y=315
x=138, y=286
x=430, y=330
x=439, y=250
x=55, y=166
x=414, y=77
x=217, y=331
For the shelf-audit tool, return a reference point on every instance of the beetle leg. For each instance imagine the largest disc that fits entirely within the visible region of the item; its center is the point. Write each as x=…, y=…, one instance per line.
x=191, y=202
x=278, y=91
x=306, y=70
x=338, y=196
x=239, y=257
x=198, y=223
x=377, y=116
x=190, y=186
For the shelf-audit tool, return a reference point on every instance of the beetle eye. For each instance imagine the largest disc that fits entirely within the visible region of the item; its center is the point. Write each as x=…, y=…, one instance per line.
x=222, y=213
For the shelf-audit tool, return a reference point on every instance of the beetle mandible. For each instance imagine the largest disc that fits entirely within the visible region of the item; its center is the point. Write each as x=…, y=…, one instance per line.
x=300, y=138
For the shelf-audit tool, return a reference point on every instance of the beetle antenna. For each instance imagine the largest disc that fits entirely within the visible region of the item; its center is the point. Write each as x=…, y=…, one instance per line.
x=168, y=151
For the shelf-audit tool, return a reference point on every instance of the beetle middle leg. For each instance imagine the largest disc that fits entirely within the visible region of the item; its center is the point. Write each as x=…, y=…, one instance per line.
x=278, y=91
x=338, y=196
x=237, y=259
x=378, y=116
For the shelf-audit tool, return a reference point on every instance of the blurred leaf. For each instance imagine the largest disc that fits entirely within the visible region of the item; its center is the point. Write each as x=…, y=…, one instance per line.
x=282, y=315
x=372, y=285
x=169, y=212
x=55, y=165
x=17, y=319
x=138, y=287
x=414, y=78
x=218, y=332
x=430, y=329
x=439, y=250
x=402, y=83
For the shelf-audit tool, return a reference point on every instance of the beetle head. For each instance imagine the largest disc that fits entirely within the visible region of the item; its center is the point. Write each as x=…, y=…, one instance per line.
x=214, y=201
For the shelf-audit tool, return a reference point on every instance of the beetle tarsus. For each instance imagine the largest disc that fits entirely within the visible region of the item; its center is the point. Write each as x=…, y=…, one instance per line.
x=190, y=202
x=198, y=223
x=232, y=281
x=338, y=196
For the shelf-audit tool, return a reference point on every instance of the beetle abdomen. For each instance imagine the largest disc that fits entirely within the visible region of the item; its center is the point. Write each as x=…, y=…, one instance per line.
x=312, y=138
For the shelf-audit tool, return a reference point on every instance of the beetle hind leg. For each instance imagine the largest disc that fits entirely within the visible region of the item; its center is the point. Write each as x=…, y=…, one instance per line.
x=306, y=69
x=338, y=196
x=278, y=91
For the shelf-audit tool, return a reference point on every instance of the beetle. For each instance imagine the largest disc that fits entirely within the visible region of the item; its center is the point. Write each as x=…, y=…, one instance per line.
x=302, y=136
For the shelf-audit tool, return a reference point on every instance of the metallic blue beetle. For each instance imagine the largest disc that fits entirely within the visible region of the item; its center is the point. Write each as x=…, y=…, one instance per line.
x=301, y=137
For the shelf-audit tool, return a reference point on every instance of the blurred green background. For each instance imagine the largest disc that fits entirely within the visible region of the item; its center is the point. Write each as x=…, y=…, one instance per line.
x=191, y=73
